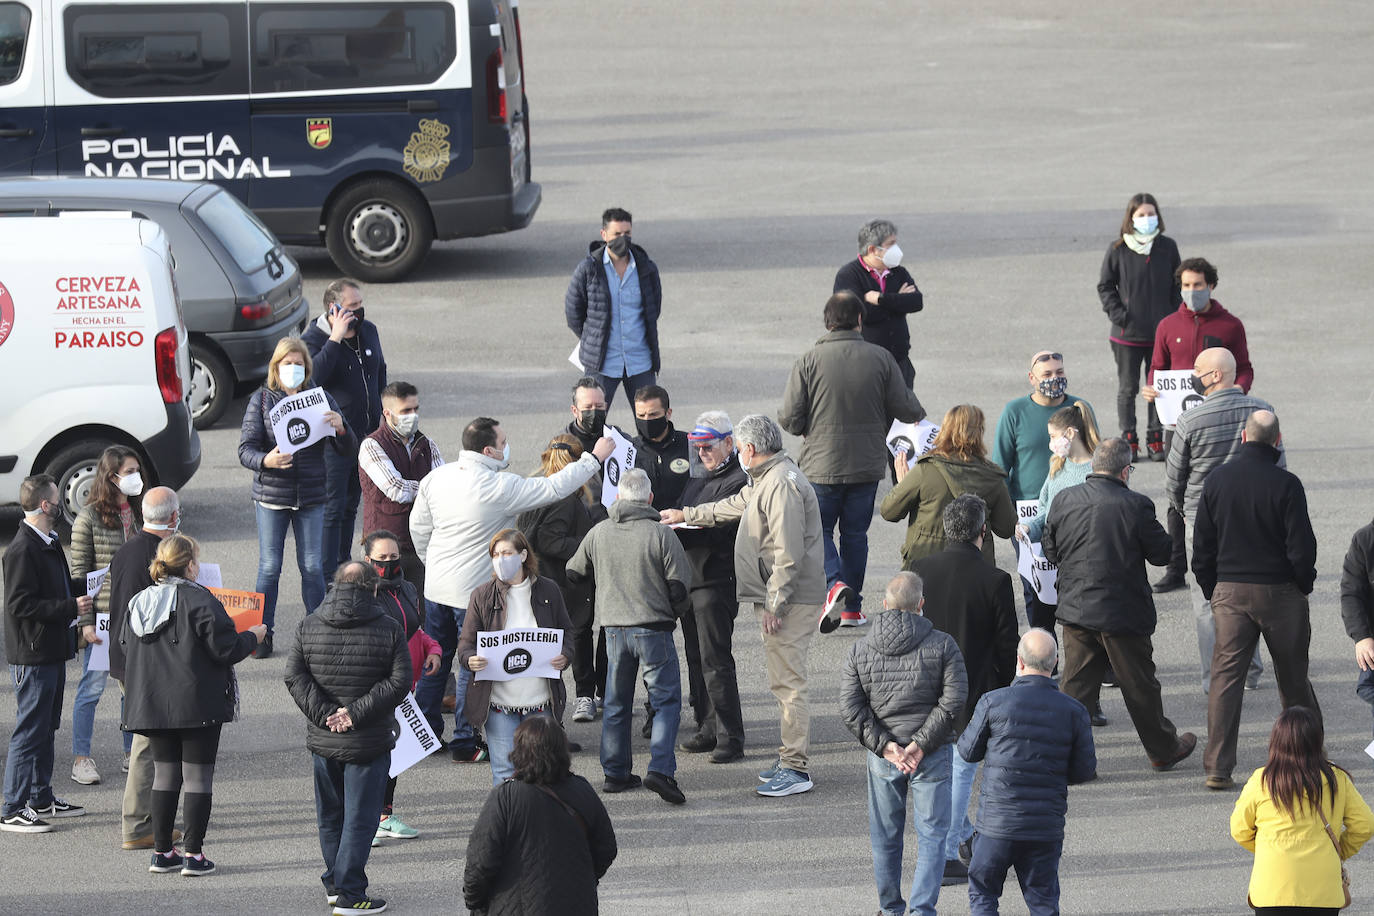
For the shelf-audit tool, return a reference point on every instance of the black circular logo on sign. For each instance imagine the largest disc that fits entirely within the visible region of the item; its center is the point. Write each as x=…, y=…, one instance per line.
x=1192, y=401
x=613, y=471
x=902, y=444
x=297, y=431
x=518, y=660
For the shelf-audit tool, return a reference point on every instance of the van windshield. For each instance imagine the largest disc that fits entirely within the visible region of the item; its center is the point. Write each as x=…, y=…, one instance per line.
x=238, y=230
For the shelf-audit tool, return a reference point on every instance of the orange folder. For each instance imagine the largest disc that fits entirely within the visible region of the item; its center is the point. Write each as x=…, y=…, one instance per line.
x=244, y=608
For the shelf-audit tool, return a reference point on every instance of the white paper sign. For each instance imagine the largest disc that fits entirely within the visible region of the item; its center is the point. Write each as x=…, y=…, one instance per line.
x=1039, y=572
x=298, y=420
x=414, y=739
x=1176, y=394
x=209, y=576
x=100, y=652
x=518, y=653
x=1026, y=511
x=913, y=438
x=1370, y=749
x=94, y=580
x=621, y=460
x=575, y=357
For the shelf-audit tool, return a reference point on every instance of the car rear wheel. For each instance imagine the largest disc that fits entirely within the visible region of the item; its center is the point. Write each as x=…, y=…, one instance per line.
x=212, y=386
x=74, y=469
x=378, y=231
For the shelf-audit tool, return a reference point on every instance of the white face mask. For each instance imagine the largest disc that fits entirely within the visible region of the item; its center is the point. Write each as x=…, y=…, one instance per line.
x=507, y=568
x=406, y=424
x=505, y=456
x=131, y=484
x=892, y=258
x=174, y=527
x=292, y=375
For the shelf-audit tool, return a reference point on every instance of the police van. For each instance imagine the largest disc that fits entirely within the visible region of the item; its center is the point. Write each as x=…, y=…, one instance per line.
x=370, y=127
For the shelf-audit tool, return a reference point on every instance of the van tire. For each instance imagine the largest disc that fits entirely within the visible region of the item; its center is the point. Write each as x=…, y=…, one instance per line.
x=74, y=470
x=378, y=231
x=209, y=369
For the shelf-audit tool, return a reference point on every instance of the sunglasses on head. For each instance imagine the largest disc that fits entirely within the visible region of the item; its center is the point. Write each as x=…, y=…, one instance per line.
x=1043, y=357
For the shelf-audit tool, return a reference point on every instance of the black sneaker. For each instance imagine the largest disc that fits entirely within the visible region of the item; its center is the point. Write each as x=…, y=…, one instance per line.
x=665, y=787
x=956, y=872
x=1097, y=719
x=728, y=752
x=25, y=820
x=1171, y=582
x=612, y=786
x=195, y=867
x=359, y=907
x=264, y=649
x=59, y=808
x=698, y=744
x=966, y=851
x=166, y=862
x=468, y=753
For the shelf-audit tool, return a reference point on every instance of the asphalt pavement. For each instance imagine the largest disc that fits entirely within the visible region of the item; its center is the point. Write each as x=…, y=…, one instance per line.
x=751, y=142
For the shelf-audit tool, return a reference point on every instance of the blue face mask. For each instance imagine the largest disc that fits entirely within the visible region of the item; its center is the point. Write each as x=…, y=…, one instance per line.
x=1145, y=225
x=292, y=376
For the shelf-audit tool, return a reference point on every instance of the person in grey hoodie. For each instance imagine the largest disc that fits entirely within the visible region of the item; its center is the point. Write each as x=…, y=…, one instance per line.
x=642, y=579
x=901, y=694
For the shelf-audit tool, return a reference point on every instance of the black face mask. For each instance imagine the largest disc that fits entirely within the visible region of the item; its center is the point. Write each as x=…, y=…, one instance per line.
x=593, y=422
x=387, y=569
x=1198, y=384
x=652, y=429
x=619, y=246
x=358, y=315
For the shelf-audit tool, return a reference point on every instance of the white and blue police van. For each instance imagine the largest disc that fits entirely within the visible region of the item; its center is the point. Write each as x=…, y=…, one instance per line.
x=370, y=127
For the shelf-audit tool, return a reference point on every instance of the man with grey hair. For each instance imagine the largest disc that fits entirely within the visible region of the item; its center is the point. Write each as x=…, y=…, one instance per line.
x=1034, y=743
x=972, y=600
x=901, y=693
x=887, y=291
x=780, y=572
x=1101, y=534
x=642, y=579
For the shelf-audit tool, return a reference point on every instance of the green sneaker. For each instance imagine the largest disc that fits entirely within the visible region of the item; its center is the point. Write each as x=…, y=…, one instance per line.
x=394, y=827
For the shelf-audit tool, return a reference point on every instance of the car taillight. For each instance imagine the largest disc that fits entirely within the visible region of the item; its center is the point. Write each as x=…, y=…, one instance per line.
x=256, y=311
x=165, y=357
x=496, y=88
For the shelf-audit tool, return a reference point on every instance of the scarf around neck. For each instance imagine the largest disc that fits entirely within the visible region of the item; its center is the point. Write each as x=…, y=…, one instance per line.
x=1140, y=244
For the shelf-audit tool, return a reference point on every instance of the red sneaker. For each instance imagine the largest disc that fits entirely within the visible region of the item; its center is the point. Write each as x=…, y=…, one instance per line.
x=853, y=619
x=834, y=606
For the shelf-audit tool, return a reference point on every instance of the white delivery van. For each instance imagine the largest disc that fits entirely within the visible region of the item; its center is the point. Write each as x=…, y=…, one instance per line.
x=93, y=353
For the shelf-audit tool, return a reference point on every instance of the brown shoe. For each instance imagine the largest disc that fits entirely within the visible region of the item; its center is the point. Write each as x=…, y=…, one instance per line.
x=1187, y=742
x=450, y=703
x=146, y=842
x=1220, y=783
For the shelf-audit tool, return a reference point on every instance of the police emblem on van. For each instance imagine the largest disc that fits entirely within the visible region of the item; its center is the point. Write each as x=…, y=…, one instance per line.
x=319, y=132
x=427, y=153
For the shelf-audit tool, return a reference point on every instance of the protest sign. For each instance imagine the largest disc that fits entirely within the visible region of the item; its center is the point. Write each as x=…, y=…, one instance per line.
x=575, y=357
x=1027, y=510
x=209, y=576
x=1039, y=572
x=414, y=739
x=100, y=652
x=915, y=439
x=298, y=420
x=244, y=608
x=96, y=579
x=1176, y=394
x=621, y=460
x=518, y=653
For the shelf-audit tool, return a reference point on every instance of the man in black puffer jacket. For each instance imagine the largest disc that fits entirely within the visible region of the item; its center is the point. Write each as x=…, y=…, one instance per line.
x=1034, y=742
x=902, y=689
x=348, y=671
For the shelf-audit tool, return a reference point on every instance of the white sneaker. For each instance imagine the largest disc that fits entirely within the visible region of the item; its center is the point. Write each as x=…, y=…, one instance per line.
x=84, y=771
x=584, y=710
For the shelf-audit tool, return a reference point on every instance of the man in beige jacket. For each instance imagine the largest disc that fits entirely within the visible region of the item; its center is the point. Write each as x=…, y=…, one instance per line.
x=780, y=571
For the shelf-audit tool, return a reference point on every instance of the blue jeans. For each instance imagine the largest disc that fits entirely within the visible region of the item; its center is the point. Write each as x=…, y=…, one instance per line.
x=627, y=648
x=307, y=525
x=348, y=804
x=342, y=491
x=500, y=729
x=444, y=623
x=851, y=506
x=1037, y=871
x=1364, y=687
x=632, y=384
x=88, y=693
x=960, y=789
x=38, y=713
x=888, y=788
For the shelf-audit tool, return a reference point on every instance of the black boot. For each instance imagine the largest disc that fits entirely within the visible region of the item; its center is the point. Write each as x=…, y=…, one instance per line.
x=1134, y=442
x=1154, y=444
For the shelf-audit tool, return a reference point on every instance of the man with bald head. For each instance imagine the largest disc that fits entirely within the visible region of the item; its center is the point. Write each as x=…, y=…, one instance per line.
x=1206, y=437
x=1034, y=742
x=1255, y=558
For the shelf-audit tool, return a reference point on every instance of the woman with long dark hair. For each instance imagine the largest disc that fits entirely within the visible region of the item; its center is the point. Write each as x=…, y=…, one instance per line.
x=1301, y=816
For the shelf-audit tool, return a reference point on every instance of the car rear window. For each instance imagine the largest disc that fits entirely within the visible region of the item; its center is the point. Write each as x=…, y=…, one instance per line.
x=238, y=230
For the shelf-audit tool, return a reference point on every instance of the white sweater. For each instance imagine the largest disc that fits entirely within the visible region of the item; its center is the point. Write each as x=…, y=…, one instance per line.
x=521, y=692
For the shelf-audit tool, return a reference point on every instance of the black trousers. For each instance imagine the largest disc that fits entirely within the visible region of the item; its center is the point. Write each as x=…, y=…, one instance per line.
x=1130, y=363
x=182, y=758
x=707, y=631
x=589, y=655
x=1087, y=653
x=413, y=570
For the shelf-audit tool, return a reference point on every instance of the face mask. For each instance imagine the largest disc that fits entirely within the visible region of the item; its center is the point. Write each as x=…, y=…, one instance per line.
x=387, y=569
x=508, y=567
x=1053, y=387
x=406, y=424
x=592, y=421
x=1061, y=446
x=1198, y=384
x=291, y=375
x=892, y=258
x=505, y=456
x=174, y=527
x=54, y=512
x=132, y=484
x=652, y=429
x=358, y=316
x=619, y=246
x=1145, y=225
x=1197, y=299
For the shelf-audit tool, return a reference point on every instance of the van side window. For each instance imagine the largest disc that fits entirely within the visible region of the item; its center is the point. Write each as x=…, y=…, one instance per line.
x=14, y=30
x=132, y=50
x=310, y=47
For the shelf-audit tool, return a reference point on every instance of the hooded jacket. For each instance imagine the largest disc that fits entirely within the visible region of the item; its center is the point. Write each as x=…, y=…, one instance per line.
x=1184, y=334
x=933, y=483
x=640, y=569
x=401, y=600
x=1139, y=290
x=302, y=484
x=587, y=304
x=903, y=682
x=40, y=602
x=180, y=649
x=355, y=379
x=350, y=653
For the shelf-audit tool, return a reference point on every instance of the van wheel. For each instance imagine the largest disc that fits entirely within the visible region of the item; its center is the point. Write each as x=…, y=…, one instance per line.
x=212, y=386
x=74, y=469
x=378, y=231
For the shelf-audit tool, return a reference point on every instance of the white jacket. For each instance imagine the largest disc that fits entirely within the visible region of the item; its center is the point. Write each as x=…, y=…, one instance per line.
x=461, y=506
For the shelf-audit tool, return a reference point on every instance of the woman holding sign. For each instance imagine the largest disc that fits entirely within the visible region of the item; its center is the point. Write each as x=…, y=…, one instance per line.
x=288, y=486
x=110, y=518
x=517, y=598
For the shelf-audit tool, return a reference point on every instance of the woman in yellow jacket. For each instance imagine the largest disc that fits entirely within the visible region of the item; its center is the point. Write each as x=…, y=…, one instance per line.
x=1279, y=817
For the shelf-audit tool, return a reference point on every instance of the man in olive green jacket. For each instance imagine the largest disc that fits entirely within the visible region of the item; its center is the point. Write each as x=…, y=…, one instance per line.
x=842, y=396
x=779, y=570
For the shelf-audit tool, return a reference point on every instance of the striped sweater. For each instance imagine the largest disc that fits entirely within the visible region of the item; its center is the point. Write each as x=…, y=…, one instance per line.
x=1206, y=437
